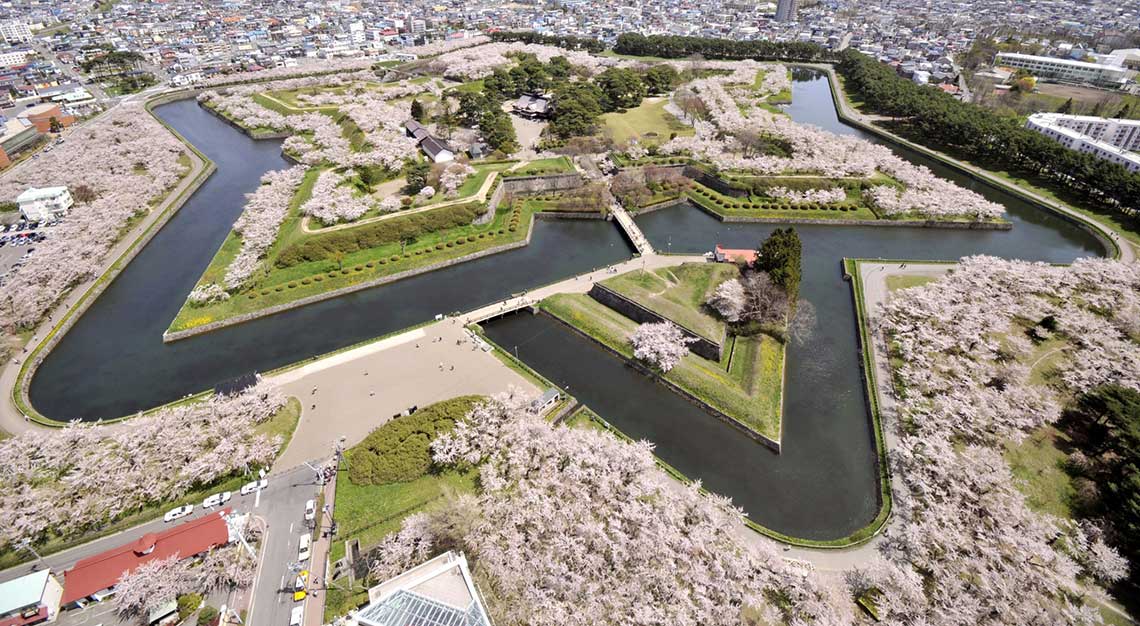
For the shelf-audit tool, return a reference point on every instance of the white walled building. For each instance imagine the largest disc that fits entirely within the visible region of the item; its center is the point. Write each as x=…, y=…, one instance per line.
x=14, y=56
x=15, y=31
x=37, y=205
x=1064, y=69
x=1109, y=139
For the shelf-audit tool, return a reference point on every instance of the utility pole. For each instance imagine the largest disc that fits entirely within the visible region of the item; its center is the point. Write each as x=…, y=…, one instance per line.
x=26, y=544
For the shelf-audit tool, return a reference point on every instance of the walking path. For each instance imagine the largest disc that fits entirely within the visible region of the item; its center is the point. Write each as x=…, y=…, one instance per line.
x=11, y=419
x=1127, y=248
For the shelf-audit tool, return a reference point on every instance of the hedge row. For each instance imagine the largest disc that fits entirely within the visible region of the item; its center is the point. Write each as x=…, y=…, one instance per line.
x=399, y=451
x=324, y=246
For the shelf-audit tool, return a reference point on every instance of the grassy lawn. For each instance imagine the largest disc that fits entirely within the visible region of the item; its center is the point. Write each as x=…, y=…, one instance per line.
x=903, y=281
x=288, y=284
x=678, y=293
x=649, y=123
x=551, y=165
x=585, y=419
x=283, y=423
x=369, y=512
x=1038, y=465
x=746, y=385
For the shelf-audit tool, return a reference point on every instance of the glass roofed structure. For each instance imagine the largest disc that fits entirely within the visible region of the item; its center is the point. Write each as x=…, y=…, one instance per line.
x=437, y=593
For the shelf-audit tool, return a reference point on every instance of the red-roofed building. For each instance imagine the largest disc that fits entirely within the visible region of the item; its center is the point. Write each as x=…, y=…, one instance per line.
x=100, y=572
x=730, y=255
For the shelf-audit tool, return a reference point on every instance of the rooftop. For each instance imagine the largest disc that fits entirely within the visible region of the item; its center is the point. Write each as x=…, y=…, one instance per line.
x=439, y=592
x=23, y=592
x=101, y=571
x=40, y=193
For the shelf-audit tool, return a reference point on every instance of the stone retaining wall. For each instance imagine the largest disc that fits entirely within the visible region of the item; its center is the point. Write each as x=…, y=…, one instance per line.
x=772, y=444
x=170, y=337
x=852, y=222
x=703, y=346
x=543, y=182
x=570, y=215
x=713, y=182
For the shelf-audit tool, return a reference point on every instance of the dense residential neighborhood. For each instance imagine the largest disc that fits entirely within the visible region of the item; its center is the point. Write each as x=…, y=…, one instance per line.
x=534, y=314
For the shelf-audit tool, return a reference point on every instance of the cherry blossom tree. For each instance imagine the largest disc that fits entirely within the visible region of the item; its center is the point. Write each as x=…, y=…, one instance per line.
x=333, y=201
x=964, y=548
x=660, y=344
x=67, y=481
x=565, y=517
x=127, y=161
x=728, y=300
x=151, y=585
x=258, y=225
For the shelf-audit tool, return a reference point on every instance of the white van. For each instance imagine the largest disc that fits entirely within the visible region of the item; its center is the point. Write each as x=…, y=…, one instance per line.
x=297, y=616
x=303, y=549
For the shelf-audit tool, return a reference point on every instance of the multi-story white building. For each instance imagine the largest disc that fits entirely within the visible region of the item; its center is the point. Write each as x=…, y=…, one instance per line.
x=15, y=31
x=37, y=205
x=1064, y=69
x=14, y=56
x=1109, y=139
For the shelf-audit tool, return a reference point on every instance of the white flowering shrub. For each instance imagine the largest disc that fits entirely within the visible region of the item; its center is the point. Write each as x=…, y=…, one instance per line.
x=259, y=223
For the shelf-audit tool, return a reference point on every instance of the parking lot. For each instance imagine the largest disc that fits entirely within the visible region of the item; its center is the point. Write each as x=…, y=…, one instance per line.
x=14, y=244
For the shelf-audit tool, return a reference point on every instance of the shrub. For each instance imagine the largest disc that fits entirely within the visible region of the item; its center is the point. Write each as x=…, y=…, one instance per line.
x=207, y=615
x=318, y=278
x=394, y=258
x=306, y=281
x=187, y=604
x=252, y=295
x=439, y=246
x=399, y=451
x=278, y=288
x=265, y=292
x=502, y=232
x=460, y=241
x=324, y=246
x=346, y=272
x=470, y=239
x=450, y=244
x=359, y=268
x=332, y=274
x=482, y=235
x=383, y=261
x=370, y=264
x=292, y=285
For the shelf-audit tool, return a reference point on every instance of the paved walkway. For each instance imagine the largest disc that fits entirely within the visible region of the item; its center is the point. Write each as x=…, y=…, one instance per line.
x=11, y=419
x=361, y=389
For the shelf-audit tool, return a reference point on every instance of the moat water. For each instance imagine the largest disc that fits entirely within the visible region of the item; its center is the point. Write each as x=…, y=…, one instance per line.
x=823, y=485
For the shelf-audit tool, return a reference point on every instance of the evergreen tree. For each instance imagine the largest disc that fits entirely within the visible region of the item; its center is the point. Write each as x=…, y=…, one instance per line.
x=621, y=88
x=780, y=256
x=1067, y=107
x=418, y=111
x=498, y=131
x=415, y=175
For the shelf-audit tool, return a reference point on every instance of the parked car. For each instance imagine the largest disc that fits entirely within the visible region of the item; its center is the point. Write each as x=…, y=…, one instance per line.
x=217, y=499
x=304, y=547
x=299, y=586
x=178, y=513
x=256, y=485
x=310, y=511
x=297, y=617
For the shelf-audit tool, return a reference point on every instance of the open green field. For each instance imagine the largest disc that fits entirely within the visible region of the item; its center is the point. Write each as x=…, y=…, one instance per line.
x=904, y=281
x=550, y=165
x=648, y=123
x=678, y=293
x=282, y=285
x=746, y=385
x=1038, y=466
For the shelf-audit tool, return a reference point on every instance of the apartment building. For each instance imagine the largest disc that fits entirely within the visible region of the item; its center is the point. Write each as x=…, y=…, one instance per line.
x=1109, y=139
x=1066, y=70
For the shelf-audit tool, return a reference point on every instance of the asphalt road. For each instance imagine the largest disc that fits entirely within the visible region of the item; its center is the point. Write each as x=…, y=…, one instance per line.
x=281, y=505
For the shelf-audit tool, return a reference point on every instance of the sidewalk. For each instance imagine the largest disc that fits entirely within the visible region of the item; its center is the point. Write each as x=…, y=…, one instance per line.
x=315, y=602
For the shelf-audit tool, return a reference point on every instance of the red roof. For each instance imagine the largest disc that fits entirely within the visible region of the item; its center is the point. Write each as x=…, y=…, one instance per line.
x=99, y=572
x=737, y=255
x=18, y=620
